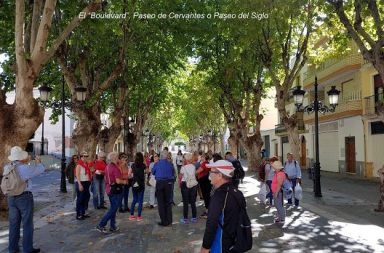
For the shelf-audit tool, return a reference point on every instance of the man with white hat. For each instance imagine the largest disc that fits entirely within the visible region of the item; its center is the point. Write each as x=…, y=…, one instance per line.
x=224, y=207
x=21, y=206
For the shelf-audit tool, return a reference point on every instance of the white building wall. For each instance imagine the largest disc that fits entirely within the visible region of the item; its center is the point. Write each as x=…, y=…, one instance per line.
x=375, y=149
x=272, y=140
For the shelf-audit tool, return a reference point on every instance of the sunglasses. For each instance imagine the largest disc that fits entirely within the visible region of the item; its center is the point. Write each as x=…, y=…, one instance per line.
x=84, y=156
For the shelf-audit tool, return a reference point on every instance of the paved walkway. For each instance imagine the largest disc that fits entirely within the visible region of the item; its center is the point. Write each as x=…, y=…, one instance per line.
x=342, y=221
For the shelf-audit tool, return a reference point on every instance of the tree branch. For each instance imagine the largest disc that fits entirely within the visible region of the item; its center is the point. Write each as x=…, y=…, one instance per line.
x=338, y=5
x=358, y=22
x=19, y=34
x=92, y=7
x=43, y=31
x=376, y=17
x=83, y=70
x=68, y=72
x=116, y=72
x=37, y=5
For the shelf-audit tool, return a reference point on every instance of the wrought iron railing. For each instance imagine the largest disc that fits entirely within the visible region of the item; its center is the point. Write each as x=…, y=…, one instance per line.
x=372, y=104
x=281, y=129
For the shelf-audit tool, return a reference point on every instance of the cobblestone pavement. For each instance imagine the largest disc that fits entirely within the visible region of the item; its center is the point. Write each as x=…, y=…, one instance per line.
x=343, y=220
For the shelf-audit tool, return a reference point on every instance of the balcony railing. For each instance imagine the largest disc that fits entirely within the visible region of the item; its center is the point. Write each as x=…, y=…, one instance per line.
x=349, y=106
x=373, y=104
x=281, y=129
x=331, y=66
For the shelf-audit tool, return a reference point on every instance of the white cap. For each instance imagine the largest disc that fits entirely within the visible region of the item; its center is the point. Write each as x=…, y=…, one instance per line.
x=17, y=154
x=223, y=166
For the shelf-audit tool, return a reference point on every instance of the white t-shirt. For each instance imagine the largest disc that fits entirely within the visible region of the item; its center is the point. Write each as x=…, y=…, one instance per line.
x=188, y=170
x=179, y=160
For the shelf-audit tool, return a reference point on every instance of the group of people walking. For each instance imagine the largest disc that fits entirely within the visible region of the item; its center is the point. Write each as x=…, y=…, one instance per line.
x=207, y=173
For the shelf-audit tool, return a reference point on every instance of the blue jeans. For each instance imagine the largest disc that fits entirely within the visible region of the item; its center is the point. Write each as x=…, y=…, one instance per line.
x=82, y=198
x=137, y=197
x=294, y=181
x=115, y=201
x=98, y=189
x=269, y=194
x=20, y=211
x=124, y=200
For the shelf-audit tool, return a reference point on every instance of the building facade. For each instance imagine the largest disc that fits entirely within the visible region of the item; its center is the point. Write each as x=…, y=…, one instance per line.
x=351, y=138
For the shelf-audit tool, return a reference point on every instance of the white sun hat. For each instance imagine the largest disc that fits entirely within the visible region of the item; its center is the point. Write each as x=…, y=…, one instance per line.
x=223, y=166
x=17, y=154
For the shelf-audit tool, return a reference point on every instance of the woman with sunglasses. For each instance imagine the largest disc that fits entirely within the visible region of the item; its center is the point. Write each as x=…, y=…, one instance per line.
x=83, y=181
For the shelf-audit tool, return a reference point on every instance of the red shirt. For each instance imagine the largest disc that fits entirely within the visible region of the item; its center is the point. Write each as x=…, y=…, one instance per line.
x=111, y=173
x=205, y=170
x=100, y=165
x=274, y=185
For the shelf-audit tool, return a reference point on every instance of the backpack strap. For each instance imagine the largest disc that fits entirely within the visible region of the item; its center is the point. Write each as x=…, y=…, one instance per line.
x=225, y=204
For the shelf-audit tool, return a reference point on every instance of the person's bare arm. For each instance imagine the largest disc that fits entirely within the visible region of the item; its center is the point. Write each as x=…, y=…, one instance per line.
x=77, y=174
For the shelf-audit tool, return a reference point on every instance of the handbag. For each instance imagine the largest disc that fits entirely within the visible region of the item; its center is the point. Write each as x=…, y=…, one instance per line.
x=298, y=192
x=152, y=181
x=115, y=188
x=263, y=192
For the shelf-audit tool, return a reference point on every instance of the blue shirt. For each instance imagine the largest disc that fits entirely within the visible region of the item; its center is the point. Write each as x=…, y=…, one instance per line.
x=28, y=171
x=292, y=169
x=163, y=170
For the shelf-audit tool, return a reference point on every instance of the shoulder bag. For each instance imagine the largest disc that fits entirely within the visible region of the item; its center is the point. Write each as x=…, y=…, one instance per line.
x=115, y=188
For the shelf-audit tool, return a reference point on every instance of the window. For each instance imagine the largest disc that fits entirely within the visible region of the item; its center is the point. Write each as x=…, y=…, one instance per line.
x=377, y=127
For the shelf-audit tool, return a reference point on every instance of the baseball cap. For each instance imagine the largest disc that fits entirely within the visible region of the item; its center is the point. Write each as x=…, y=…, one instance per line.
x=223, y=166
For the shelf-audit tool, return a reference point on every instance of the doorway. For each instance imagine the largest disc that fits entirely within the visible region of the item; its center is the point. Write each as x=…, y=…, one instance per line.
x=350, y=154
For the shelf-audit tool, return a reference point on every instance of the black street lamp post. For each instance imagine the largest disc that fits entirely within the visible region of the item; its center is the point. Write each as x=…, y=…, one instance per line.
x=63, y=187
x=80, y=96
x=317, y=106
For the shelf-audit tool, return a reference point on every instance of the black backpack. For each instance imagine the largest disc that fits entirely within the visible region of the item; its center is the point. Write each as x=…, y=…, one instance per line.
x=262, y=171
x=243, y=238
x=238, y=173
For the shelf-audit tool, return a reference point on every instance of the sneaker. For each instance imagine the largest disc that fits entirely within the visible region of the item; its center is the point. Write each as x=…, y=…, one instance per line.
x=151, y=207
x=204, y=215
x=193, y=220
x=139, y=218
x=103, y=207
x=132, y=218
x=116, y=229
x=121, y=210
x=279, y=221
x=80, y=217
x=184, y=221
x=101, y=229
